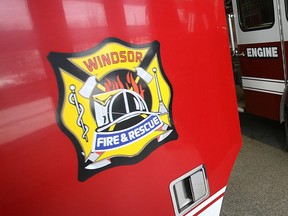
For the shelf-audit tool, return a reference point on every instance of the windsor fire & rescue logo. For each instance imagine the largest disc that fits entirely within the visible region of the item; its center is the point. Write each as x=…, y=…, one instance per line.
x=114, y=103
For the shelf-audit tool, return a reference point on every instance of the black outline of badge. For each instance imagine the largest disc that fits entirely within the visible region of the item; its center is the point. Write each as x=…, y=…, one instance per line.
x=60, y=60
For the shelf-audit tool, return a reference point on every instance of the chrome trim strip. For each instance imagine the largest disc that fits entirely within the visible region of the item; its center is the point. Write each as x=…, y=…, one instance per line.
x=282, y=41
x=271, y=86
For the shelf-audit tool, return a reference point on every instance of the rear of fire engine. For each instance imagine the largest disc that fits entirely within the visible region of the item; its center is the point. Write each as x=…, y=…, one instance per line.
x=115, y=107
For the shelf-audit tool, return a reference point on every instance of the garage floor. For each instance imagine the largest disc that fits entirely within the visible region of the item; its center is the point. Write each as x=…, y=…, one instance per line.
x=259, y=181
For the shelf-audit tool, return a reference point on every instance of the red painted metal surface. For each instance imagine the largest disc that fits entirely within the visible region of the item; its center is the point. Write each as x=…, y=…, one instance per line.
x=259, y=103
x=262, y=104
x=38, y=162
x=268, y=68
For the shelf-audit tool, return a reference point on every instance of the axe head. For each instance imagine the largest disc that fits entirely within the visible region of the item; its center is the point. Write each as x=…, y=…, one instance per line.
x=144, y=74
x=88, y=87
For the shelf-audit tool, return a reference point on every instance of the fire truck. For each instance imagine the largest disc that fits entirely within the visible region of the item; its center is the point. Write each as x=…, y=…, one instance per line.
x=116, y=107
x=259, y=42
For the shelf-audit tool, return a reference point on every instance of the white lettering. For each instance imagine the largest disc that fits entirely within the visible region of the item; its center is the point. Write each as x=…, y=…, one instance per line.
x=254, y=52
x=259, y=52
x=131, y=135
x=249, y=52
x=274, y=52
x=116, y=140
x=108, y=141
x=262, y=52
x=156, y=120
x=137, y=132
x=100, y=141
x=146, y=127
x=142, y=130
x=269, y=51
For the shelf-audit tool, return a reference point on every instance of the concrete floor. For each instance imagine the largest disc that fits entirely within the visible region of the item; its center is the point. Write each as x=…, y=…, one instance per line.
x=259, y=181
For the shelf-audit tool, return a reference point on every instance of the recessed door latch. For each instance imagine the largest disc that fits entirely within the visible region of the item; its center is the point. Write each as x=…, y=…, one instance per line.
x=189, y=190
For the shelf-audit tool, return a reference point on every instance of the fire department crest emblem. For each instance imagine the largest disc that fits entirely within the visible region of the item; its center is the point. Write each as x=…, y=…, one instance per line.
x=114, y=103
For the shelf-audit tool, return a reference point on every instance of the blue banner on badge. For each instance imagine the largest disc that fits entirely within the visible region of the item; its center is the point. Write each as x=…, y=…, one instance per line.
x=105, y=141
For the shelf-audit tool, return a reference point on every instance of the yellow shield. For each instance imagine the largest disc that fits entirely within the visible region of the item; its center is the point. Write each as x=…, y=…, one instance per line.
x=114, y=101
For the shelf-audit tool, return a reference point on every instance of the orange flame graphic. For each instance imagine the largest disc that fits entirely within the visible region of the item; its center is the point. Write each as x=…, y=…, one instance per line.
x=130, y=84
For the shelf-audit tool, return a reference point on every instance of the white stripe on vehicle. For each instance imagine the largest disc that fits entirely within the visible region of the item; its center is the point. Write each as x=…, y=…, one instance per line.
x=213, y=209
x=207, y=202
x=271, y=86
